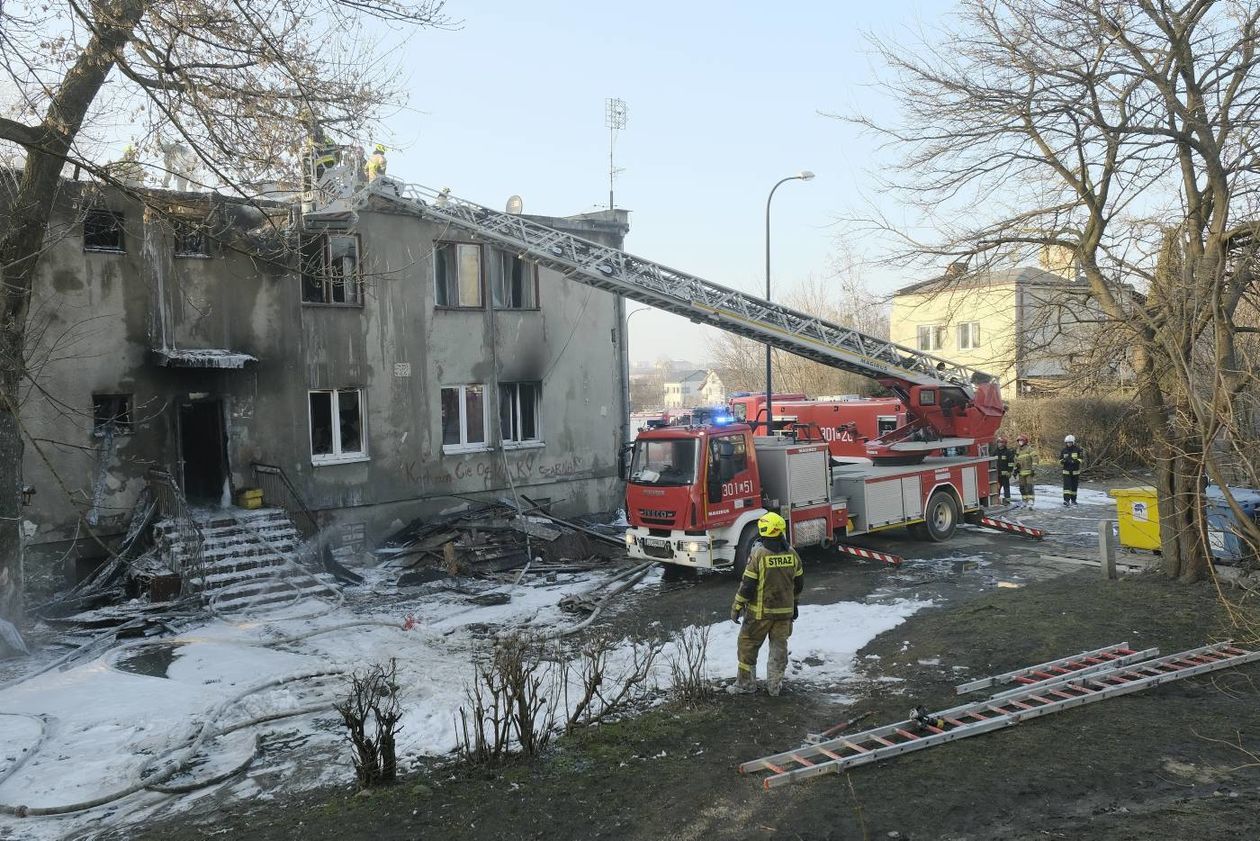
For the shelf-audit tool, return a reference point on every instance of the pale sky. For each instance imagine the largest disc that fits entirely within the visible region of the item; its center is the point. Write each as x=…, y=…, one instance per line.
x=723, y=100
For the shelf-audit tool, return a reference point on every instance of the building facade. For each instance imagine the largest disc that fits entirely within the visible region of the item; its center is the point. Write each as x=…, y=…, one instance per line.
x=695, y=388
x=386, y=367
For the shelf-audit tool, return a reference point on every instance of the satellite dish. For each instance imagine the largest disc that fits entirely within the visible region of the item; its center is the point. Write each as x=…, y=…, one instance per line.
x=515, y=206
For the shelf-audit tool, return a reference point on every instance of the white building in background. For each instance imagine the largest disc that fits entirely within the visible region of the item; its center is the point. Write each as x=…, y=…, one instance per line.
x=696, y=388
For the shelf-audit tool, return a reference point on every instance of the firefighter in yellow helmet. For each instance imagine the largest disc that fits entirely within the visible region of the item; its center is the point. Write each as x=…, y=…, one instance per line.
x=375, y=165
x=767, y=601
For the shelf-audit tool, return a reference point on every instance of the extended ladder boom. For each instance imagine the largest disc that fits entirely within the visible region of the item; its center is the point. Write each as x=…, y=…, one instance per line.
x=683, y=294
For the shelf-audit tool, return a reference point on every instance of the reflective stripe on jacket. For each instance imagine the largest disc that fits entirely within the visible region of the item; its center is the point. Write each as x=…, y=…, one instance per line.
x=1005, y=460
x=1071, y=459
x=1025, y=461
x=772, y=580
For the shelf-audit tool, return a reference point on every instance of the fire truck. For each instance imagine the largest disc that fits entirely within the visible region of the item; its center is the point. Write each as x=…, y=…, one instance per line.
x=846, y=423
x=694, y=493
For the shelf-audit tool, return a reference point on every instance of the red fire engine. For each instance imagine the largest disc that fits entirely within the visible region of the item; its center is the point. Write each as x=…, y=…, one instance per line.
x=845, y=423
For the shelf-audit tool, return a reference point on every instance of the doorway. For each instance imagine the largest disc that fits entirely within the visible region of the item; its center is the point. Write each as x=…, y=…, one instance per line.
x=203, y=451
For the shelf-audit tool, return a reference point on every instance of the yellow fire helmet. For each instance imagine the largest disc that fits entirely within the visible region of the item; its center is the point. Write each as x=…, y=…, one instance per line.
x=380, y=147
x=770, y=525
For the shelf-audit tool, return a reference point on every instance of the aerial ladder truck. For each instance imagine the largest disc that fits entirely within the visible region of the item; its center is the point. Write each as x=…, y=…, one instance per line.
x=694, y=494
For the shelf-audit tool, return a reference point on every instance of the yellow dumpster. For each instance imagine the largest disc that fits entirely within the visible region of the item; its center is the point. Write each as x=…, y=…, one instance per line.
x=1137, y=510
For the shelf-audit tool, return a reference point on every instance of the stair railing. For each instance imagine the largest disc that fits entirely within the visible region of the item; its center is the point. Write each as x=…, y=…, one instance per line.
x=173, y=505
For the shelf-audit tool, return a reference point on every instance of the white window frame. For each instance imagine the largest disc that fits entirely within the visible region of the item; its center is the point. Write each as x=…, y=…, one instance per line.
x=935, y=332
x=464, y=446
x=969, y=335
x=336, y=456
x=523, y=443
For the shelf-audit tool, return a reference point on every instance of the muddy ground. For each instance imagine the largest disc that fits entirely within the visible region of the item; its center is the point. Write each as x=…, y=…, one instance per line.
x=1170, y=762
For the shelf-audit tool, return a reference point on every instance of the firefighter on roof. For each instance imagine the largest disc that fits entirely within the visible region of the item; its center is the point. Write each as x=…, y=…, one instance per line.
x=1070, y=459
x=1006, y=467
x=768, y=598
x=376, y=163
x=1025, y=463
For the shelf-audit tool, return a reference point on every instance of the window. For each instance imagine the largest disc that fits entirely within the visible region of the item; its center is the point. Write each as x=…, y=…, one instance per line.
x=670, y=461
x=463, y=418
x=969, y=335
x=337, y=426
x=457, y=275
x=111, y=414
x=103, y=231
x=518, y=412
x=190, y=239
x=931, y=336
x=731, y=446
x=514, y=282
x=330, y=270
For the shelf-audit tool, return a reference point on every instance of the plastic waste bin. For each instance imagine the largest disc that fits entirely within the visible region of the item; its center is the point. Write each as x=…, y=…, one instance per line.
x=1223, y=529
x=1137, y=510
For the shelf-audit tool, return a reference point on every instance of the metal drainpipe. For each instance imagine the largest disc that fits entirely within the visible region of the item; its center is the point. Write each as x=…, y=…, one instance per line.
x=623, y=350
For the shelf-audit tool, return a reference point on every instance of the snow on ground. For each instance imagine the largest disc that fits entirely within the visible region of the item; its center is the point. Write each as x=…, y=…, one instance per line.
x=1084, y=496
x=138, y=706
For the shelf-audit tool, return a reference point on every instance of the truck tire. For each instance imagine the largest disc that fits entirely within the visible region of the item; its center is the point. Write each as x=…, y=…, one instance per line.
x=940, y=519
x=744, y=548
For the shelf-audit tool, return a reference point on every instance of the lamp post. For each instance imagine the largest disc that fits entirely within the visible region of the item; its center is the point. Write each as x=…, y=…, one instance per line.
x=803, y=175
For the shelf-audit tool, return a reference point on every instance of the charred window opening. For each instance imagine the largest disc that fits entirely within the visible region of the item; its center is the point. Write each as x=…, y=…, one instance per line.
x=463, y=417
x=337, y=425
x=515, y=282
x=330, y=270
x=519, y=405
x=190, y=238
x=457, y=276
x=103, y=231
x=111, y=413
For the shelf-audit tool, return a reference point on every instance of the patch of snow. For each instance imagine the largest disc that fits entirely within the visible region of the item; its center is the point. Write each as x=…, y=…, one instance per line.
x=1084, y=496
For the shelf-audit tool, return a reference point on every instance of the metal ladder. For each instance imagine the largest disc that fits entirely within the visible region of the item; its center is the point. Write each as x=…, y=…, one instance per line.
x=674, y=291
x=1004, y=710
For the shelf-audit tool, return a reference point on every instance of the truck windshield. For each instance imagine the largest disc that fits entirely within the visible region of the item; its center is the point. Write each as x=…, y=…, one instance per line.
x=664, y=462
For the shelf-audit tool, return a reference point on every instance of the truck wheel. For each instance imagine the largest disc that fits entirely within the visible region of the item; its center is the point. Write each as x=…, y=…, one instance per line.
x=941, y=517
x=744, y=548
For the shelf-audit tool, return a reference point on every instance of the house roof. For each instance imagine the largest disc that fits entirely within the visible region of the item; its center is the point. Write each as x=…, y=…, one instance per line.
x=1019, y=276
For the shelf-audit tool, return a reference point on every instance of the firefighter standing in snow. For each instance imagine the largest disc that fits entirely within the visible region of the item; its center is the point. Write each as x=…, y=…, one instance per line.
x=1006, y=466
x=768, y=597
x=1070, y=459
x=1025, y=462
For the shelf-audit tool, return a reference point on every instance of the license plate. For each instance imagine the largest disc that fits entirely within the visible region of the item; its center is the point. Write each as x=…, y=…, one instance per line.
x=654, y=542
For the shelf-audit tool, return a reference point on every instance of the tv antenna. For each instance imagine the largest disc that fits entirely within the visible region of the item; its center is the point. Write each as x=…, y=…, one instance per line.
x=615, y=114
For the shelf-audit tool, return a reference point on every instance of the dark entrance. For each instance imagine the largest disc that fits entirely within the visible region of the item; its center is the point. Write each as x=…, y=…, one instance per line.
x=203, y=450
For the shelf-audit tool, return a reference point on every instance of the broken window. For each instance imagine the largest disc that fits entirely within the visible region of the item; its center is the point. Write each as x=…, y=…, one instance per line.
x=457, y=275
x=463, y=417
x=111, y=413
x=103, y=230
x=337, y=425
x=518, y=412
x=514, y=285
x=931, y=336
x=330, y=270
x=190, y=238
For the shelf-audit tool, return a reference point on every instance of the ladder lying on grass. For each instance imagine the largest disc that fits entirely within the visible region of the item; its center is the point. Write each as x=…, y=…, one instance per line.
x=1043, y=697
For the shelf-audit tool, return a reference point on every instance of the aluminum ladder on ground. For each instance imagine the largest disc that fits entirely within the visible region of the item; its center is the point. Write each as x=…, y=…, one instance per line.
x=699, y=300
x=994, y=713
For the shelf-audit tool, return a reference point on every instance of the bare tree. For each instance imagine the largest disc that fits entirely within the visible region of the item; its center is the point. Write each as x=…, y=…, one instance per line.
x=1125, y=132
x=238, y=85
x=842, y=299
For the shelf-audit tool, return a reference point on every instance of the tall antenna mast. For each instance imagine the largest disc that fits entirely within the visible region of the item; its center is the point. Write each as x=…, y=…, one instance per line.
x=615, y=118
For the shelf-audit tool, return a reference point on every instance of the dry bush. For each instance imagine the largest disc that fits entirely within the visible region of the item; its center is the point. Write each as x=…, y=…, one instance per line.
x=1109, y=429
x=690, y=684
x=603, y=688
x=507, y=712
x=371, y=712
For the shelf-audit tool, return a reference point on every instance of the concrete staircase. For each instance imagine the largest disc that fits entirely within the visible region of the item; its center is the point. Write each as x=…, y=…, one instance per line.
x=248, y=559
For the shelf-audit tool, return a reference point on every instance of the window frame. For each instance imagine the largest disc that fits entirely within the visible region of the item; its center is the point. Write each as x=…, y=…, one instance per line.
x=123, y=422
x=935, y=332
x=324, y=271
x=119, y=224
x=513, y=443
x=337, y=456
x=464, y=445
x=180, y=228
x=456, y=245
x=971, y=329
x=504, y=262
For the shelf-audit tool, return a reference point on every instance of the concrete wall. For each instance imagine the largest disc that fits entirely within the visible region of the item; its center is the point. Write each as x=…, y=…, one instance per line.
x=98, y=316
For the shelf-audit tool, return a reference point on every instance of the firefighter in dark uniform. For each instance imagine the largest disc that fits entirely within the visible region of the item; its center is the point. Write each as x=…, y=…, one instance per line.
x=1071, y=460
x=1005, y=467
x=767, y=601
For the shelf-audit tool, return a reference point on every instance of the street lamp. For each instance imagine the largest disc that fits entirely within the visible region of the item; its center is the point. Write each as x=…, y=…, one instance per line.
x=803, y=175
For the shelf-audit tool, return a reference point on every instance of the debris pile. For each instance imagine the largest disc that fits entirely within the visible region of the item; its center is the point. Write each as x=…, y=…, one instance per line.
x=483, y=539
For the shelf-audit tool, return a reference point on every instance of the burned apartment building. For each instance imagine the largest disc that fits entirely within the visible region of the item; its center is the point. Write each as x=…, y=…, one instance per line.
x=369, y=373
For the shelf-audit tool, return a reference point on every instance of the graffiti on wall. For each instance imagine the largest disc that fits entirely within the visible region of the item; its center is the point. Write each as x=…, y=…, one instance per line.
x=523, y=468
